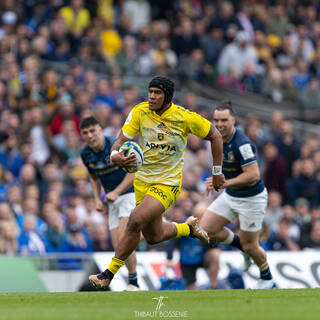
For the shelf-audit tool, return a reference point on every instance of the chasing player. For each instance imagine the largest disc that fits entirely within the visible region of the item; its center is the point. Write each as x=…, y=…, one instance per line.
x=116, y=183
x=163, y=128
x=244, y=196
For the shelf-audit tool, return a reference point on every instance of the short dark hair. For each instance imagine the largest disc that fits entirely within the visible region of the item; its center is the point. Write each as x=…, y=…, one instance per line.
x=225, y=105
x=88, y=122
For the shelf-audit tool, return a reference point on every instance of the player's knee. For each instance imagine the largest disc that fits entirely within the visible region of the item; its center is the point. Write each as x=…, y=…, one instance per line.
x=249, y=247
x=135, y=224
x=153, y=239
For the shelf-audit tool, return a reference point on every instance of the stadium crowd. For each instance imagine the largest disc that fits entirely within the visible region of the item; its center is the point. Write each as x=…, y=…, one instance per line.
x=267, y=47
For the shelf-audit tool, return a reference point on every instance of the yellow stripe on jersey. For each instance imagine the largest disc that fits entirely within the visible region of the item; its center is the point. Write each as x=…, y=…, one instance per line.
x=163, y=140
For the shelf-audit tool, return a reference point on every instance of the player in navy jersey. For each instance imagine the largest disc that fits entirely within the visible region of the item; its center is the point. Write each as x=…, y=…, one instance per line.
x=117, y=185
x=244, y=195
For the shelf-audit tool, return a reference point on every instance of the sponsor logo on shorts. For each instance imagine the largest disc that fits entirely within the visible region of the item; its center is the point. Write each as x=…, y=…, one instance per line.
x=158, y=192
x=175, y=190
x=252, y=225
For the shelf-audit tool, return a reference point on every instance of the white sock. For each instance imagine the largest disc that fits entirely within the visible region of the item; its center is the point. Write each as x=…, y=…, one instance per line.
x=229, y=238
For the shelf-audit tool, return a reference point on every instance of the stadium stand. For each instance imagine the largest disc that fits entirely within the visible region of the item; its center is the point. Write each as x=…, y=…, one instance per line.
x=63, y=60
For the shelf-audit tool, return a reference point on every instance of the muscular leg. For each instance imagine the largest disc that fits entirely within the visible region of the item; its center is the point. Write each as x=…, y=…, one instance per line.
x=131, y=261
x=159, y=230
x=148, y=210
x=214, y=225
x=250, y=245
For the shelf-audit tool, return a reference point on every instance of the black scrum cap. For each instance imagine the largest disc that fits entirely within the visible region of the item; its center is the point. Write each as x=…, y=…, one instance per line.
x=164, y=84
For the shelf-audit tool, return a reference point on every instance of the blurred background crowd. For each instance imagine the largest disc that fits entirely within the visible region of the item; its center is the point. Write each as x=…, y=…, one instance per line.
x=64, y=60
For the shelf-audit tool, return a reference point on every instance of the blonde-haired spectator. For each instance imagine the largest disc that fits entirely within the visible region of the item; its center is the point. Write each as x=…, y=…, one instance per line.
x=8, y=237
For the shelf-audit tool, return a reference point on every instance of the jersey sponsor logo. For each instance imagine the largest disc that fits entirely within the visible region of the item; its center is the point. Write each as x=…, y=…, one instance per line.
x=99, y=165
x=160, y=136
x=107, y=159
x=230, y=157
x=246, y=151
x=173, y=134
x=162, y=147
x=162, y=126
x=166, y=130
x=106, y=171
x=158, y=192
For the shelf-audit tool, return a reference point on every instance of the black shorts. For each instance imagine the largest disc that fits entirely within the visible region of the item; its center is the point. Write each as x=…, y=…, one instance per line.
x=189, y=272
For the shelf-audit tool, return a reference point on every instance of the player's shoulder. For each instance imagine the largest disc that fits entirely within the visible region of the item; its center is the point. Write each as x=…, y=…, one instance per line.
x=141, y=106
x=240, y=137
x=85, y=151
x=180, y=110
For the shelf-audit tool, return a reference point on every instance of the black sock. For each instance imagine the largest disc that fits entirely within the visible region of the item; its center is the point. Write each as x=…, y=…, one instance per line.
x=236, y=242
x=265, y=274
x=133, y=279
x=108, y=274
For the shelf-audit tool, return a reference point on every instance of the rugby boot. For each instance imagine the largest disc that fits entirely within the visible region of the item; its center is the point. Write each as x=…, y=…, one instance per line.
x=196, y=230
x=100, y=280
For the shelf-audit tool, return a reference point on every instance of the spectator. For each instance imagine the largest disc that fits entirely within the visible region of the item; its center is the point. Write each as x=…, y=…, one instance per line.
x=275, y=172
x=22, y=157
x=66, y=112
x=193, y=254
x=313, y=242
x=281, y=240
x=237, y=54
x=77, y=17
x=310, y=96
x=287, y=144
x=30, y=241
x=184, y=41
x=302, y=206
x=274, y=210
x=305, y=184
x=139, y=13
x=8, y=238
x=277, y=23
x=101, y=238
x=307, y=226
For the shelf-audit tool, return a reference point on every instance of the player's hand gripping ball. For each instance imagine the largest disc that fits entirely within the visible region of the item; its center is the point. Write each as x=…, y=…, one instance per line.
x=133, y=147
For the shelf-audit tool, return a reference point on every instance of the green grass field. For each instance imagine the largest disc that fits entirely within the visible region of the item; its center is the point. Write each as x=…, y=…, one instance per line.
x=221, y=304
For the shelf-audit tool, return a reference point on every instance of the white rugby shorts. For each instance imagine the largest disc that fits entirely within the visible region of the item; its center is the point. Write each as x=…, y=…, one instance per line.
x=251, y=210
x=121, y=208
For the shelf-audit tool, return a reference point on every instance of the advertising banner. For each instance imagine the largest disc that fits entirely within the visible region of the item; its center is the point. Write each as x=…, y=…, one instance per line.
x=290, y=269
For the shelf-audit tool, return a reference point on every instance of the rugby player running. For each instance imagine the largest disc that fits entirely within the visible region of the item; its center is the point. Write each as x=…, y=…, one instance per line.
x=244, y=196
x=117, y=185
x=163, y=128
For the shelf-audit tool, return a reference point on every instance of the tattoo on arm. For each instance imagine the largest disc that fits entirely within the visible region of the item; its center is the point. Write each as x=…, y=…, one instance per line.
x=210, y=135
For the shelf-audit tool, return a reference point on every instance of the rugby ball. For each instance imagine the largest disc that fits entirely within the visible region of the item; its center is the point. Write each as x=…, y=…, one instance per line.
x=133, y=147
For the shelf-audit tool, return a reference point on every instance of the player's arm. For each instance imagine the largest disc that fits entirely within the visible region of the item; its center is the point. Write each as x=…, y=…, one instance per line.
x=125, y=184
x=250, y=175
x=96, y=189
x=95, y=186
x=118, y=157
x=216, y=142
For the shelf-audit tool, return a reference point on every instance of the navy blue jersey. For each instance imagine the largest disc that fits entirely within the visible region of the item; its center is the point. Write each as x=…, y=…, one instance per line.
x=239, y=152
x=99, y=166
